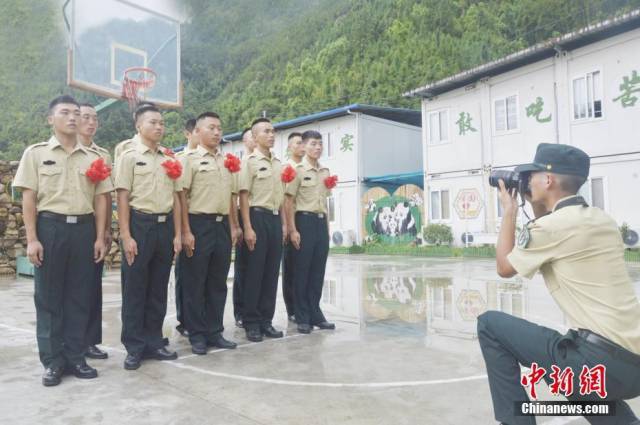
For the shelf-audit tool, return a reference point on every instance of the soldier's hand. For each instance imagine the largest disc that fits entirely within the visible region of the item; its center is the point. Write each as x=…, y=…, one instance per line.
x=177, y=245
x=508, y=199
x=130, y=249
x=99, y=250
x=108, y=240
x=294, y=237
x=250, y=238
x=35, y=253
x=188, y=243
x=236, y=236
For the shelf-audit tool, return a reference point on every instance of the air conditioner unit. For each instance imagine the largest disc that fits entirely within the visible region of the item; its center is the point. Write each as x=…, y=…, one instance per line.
x=345, y=238
x=632, y=238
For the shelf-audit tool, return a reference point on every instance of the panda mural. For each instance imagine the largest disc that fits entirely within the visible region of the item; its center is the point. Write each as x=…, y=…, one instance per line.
x=393, y=219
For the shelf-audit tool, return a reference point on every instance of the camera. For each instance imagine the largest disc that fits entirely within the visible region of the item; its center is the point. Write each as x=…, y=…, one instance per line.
x=511, y=179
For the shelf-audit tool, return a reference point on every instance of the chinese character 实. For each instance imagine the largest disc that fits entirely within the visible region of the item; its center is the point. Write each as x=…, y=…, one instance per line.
x=531, y=379
x=628, y=87
x=562, y=381
x=464, y=123
x=593, y=380
x=535, y=109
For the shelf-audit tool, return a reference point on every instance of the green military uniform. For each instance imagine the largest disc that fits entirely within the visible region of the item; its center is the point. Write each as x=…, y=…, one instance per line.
x=94, y=329
x=580, y=254
x=208, y=185
x=66, y=229
x=287, y=269
x=309, y=262
x=139, y=170
x=260, y=177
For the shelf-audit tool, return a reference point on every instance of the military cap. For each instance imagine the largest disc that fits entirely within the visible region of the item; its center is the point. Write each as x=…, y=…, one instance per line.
x=559, y=159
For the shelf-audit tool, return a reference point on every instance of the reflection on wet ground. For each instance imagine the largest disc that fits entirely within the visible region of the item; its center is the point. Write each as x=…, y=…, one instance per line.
x=405, y=352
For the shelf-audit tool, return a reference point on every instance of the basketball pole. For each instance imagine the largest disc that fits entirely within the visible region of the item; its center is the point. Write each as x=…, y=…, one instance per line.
x=106, y=104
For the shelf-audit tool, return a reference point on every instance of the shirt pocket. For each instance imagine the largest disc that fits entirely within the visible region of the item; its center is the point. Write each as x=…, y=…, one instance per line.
x=205, y=175
x=50, y=179
x=309, y=180
x=142, y=175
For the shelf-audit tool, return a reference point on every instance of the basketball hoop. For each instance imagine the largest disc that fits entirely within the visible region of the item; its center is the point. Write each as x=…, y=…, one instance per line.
x=133, y=80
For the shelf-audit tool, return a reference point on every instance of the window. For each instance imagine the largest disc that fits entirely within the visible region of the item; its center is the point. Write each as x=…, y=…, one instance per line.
x=240, y=153
x=505, y=111
x=440, y=205
x=593, y=191
x=587, y=96
x=331, y=208
x=326, y=146
x=442, y=303
x=438, y=127
x=329, y=292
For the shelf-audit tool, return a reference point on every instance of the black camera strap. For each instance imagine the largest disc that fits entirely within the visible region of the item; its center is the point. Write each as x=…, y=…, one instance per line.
x=525, y=234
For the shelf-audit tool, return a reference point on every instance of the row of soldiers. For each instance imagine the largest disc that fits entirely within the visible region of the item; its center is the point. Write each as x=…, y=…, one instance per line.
x=192, y=207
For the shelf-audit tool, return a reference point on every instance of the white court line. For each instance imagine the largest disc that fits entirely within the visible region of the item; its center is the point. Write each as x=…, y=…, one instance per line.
x=250, y=344
x=290, y=382
x=13, y=328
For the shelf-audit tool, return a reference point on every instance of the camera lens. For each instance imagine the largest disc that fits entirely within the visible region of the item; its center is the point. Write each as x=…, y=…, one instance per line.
x=511, y=179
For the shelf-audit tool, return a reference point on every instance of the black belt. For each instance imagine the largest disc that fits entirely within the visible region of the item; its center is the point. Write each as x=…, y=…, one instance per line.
x=69, y=219
x=158, y=218
x=312, y=214
x=214, y=217
x=614, y=349
x=265, y=210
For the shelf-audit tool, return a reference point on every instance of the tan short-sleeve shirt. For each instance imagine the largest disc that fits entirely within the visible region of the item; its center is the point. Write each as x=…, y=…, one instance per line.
x=124, y=146
x=208, y=183
x=59, y=177
x=308, y=188
x=580, y=254
x=260, y=176
x=103, y=153
x=139, y=170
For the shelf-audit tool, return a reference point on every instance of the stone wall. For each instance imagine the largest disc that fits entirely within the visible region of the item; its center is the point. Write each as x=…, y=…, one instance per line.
x=12, y=232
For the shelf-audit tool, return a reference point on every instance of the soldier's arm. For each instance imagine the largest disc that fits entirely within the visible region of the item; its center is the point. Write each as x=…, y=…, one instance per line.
x=177, y=223
x=506, y=237
x=100, y=208
x=35, y=252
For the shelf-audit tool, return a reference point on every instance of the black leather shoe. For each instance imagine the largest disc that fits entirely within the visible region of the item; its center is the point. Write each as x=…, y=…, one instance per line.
x=292, y=318
x=132, y=362
x=254, y=335
x=325, y=325
x=271, y=332
x=239, y=323
x=94, y=352
x=220, y=342
x=52, y=376
x=83, y=371
x=199, y=348
x=182, y=330
x=165, y=341
x=164, y=354
x=303, y=328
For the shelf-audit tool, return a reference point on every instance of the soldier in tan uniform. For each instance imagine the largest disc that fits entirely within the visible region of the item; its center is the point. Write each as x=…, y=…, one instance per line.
x=192, y=144
x=261, y=193
x=65, y=239
x=240, y=263
x=579, y=251
x=148, y=182
x=86, y=131
x=295, y=149
x=209, y=226
x=129, y=143
x=306, y=211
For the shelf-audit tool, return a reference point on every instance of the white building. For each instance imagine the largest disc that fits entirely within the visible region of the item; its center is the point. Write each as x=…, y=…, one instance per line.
x=362, y=143
x=581, y=89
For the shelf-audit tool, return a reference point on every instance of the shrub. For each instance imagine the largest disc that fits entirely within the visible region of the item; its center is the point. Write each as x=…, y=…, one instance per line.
x=438, y=234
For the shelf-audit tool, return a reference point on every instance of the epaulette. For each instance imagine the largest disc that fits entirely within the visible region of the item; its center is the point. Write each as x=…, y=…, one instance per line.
x=36, y=145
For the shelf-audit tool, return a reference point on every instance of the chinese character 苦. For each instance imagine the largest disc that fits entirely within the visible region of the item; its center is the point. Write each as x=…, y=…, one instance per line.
x=628, y=87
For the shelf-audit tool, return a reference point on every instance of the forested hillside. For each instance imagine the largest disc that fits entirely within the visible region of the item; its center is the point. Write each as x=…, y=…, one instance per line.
x=285, y=57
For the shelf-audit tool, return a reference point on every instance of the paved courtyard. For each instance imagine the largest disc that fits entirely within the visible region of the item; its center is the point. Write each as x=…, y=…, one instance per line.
x=405, y=351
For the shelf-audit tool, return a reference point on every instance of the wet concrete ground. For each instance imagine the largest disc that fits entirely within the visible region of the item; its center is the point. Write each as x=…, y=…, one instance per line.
x=405, y=352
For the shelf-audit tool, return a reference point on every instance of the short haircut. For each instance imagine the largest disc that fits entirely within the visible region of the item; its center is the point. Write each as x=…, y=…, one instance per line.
x=245, y=132
x=65, y=98
x=87, y=105
x=311, y=134
x=294, y=134
x=207, y=114
x=141, y=109
x=570, y=183
x=190, y=124
x=259, y=120
x=141, y=105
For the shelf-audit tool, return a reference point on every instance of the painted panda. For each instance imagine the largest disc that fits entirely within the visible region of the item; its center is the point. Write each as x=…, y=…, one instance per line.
x=404, y=218
x=381, y=220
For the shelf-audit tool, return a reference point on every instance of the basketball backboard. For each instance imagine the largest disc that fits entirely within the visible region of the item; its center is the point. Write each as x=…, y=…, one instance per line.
x=110, y=36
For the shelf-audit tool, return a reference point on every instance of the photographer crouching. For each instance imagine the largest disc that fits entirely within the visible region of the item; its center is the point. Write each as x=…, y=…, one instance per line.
x=579, y=251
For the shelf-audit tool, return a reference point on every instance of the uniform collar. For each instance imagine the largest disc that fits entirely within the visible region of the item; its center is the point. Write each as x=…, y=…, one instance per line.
x=562, y=200
x=55, y=143
x=307, y=165
x=142, y=148
x=204, y=152
x=259, y=155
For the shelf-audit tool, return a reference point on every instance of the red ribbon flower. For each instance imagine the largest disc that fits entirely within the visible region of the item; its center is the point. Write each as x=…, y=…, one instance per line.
x=98, y=171
x=169, y=152
x=330, y=182
x=173, y=168
x=232, y=163
x=288, y=174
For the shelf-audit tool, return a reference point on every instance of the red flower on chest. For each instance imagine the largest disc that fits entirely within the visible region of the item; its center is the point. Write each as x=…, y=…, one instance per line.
x=330, y=182
x=232, y=163
x=98, y=171
x=173, y=168
x=288, y=174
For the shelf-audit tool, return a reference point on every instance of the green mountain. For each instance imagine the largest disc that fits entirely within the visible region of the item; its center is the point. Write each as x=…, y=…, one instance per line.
x=285, y=57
